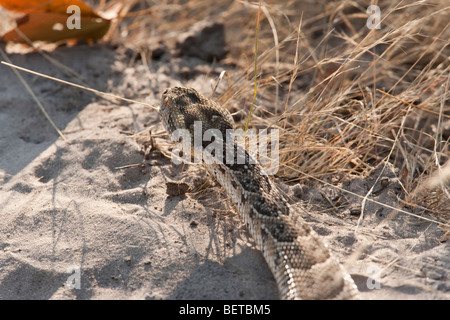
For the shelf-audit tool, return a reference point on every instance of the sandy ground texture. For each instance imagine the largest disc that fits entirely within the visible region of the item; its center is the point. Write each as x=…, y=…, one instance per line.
x=106, y=215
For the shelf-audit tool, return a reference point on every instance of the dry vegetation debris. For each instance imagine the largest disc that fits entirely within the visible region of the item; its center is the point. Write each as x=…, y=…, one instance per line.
x=346, y=97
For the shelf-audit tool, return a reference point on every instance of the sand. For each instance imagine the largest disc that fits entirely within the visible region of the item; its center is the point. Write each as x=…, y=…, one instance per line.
x=91, y=217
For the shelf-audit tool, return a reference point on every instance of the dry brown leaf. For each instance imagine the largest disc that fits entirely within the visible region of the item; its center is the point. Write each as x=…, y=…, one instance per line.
x=46, y=20
x=55, y=6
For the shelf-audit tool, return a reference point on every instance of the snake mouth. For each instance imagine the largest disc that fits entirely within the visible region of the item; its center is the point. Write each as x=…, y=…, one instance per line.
x=164, y=99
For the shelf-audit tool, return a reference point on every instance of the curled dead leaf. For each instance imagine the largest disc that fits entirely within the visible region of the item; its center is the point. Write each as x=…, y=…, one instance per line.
x=54, y=21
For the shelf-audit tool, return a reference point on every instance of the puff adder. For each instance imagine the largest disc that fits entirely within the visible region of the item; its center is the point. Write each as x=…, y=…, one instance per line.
x=302, y=265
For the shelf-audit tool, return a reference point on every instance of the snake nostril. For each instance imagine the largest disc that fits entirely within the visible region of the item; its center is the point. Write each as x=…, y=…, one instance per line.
x=165, y=91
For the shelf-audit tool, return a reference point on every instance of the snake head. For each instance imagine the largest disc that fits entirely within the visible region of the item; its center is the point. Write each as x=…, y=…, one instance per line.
x=181, y=107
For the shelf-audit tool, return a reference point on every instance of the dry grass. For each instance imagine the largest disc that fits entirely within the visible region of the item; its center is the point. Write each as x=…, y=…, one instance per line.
x=346, y=98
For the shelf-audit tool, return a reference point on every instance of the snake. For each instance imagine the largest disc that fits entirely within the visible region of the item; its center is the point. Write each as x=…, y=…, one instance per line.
x=300, y=261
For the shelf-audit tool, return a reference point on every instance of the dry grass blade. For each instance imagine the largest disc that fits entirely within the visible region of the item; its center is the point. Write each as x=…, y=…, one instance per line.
x=256, y=70
x=27, y=87
x=101, y=94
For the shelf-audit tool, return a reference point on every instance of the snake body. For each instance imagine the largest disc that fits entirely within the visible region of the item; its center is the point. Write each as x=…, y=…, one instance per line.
x=300, y=261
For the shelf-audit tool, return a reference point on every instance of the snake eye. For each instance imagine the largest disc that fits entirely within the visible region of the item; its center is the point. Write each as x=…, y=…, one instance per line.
x=166, y=100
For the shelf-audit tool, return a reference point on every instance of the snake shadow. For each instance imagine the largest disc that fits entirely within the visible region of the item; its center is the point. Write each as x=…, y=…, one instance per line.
x=244, y=276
